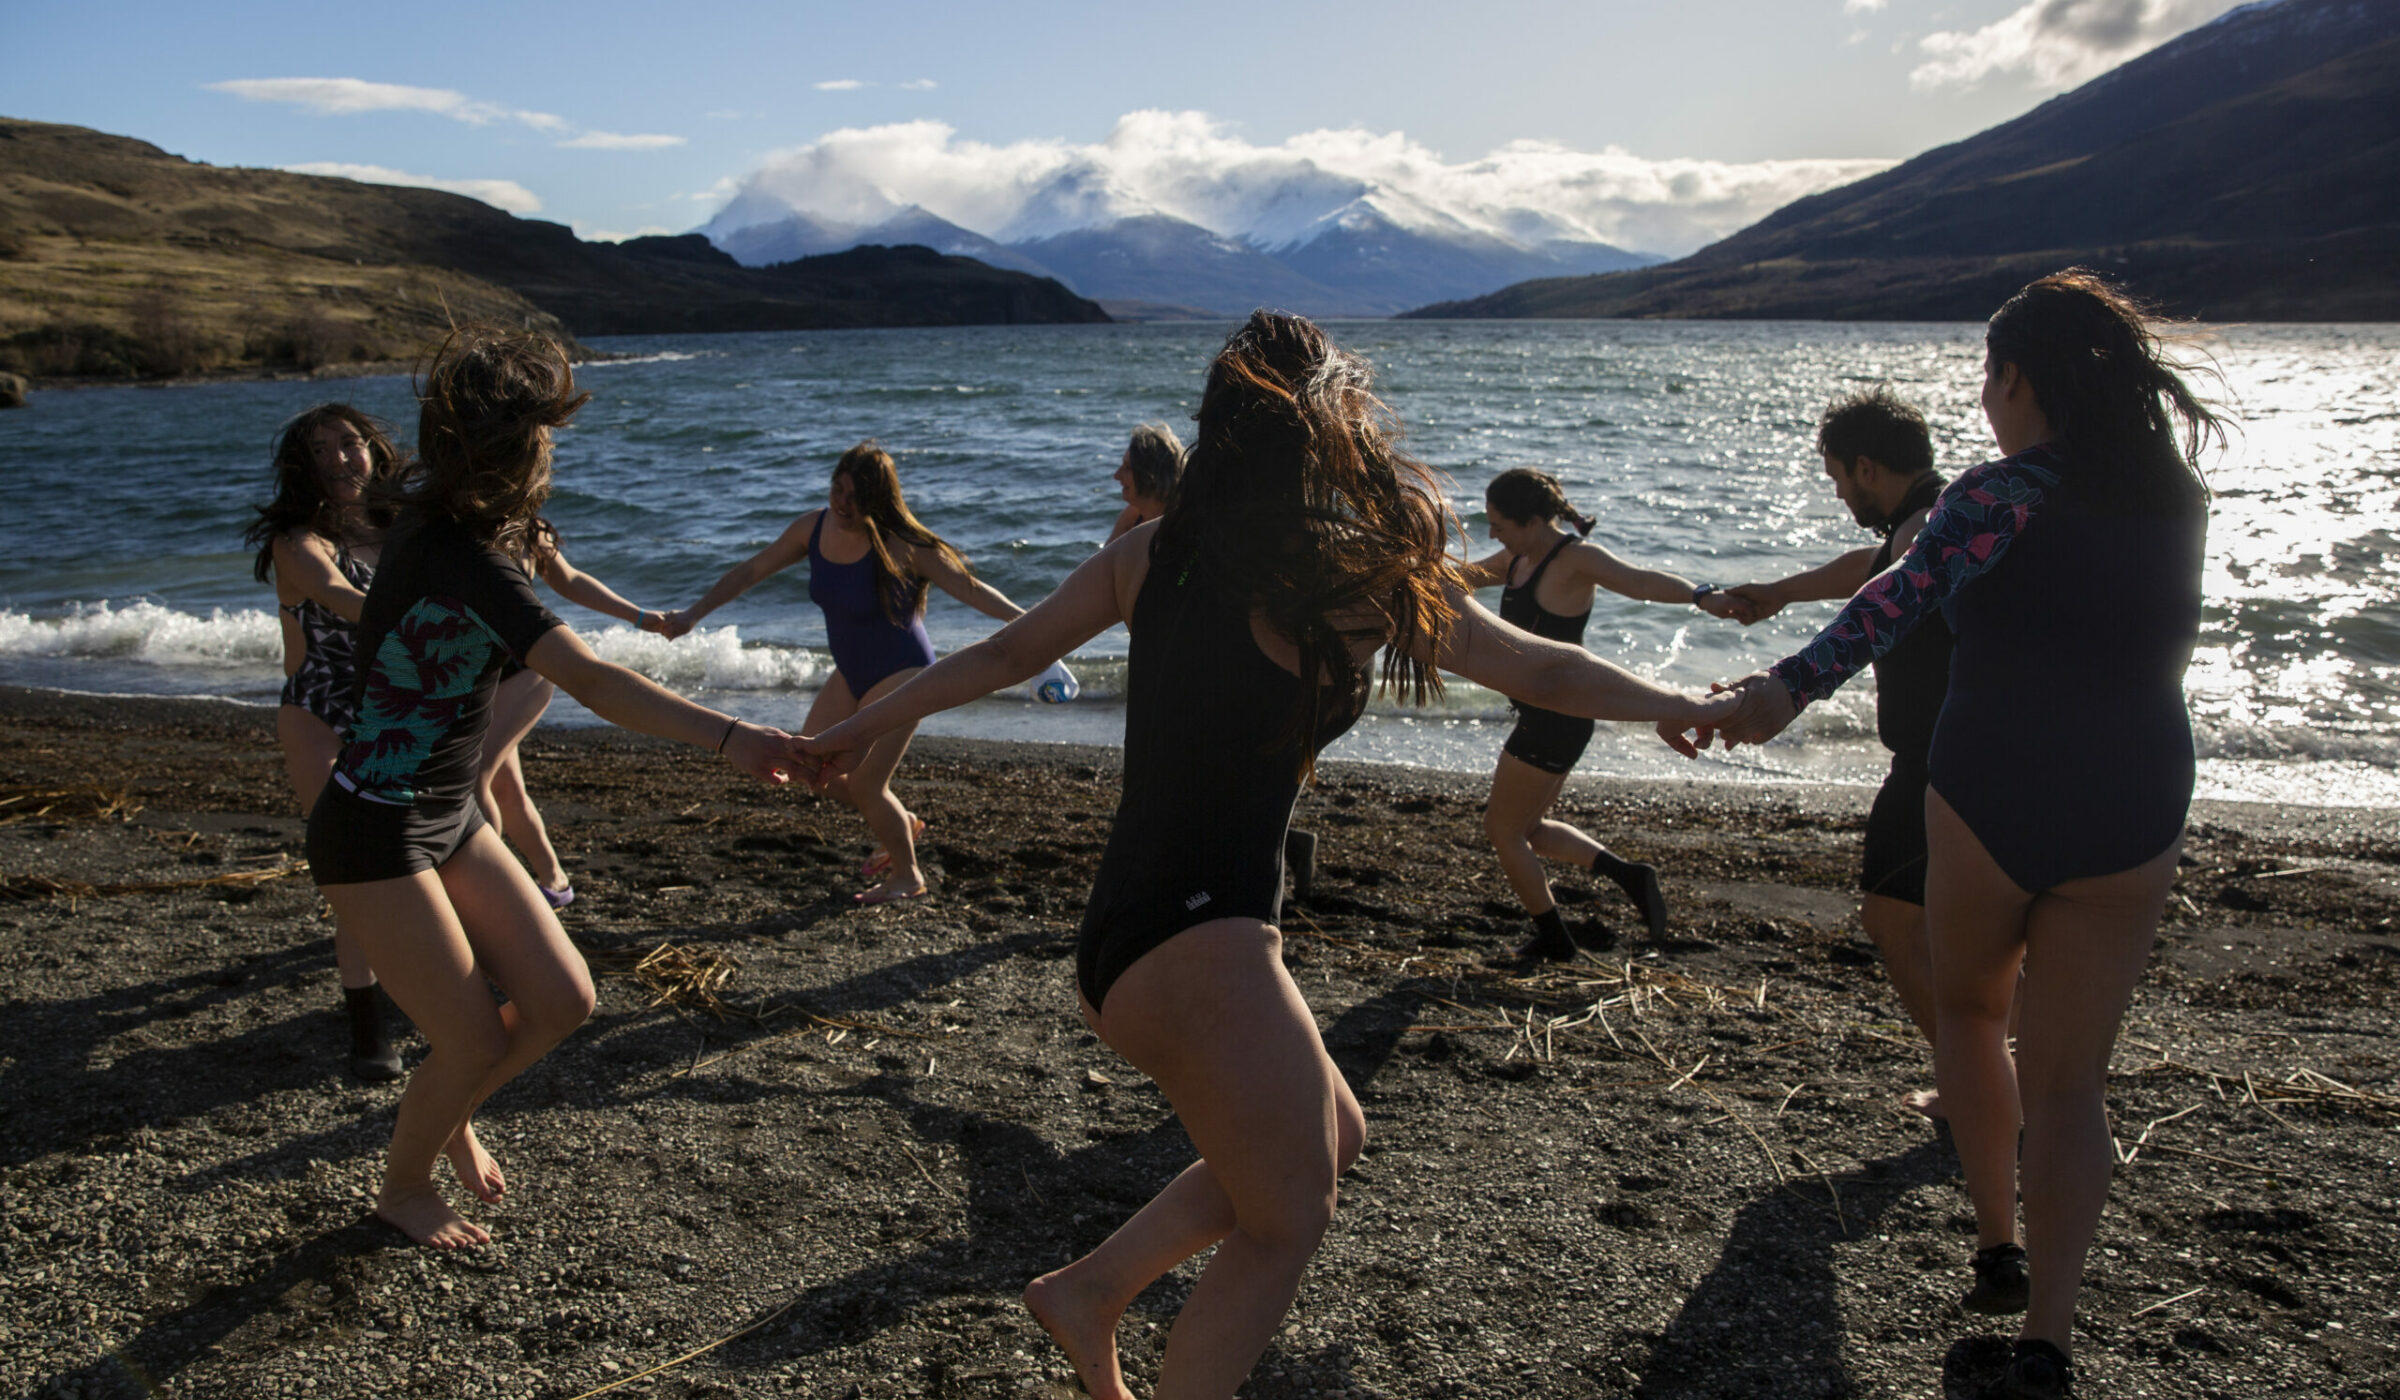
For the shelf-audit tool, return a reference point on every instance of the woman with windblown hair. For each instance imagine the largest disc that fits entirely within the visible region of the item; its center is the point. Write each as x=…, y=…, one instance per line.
x=317, y=545
x=1299, y=543
x=871, y=564
x=2060, y=769
x=398, y=843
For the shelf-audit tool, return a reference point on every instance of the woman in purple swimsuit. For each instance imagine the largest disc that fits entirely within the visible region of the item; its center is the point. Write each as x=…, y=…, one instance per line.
x=317, y=545
x=869, y=566
x=2061, y=766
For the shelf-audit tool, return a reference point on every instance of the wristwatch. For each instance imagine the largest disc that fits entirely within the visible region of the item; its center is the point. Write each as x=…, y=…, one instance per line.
x=1701, y=592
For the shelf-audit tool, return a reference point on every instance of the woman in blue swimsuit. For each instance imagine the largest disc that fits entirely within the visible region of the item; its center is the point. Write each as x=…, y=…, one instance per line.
x=2061, y=766
x=870, y=564
x=317, y=545
x=1300, y=542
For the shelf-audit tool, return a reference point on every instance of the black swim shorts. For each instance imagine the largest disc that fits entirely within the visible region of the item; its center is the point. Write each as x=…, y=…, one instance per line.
x=354, y=839
x=1894, y=866
x=1547, y=740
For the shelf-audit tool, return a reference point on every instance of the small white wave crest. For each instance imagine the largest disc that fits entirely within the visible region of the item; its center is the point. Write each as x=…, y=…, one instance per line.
x=244, y=639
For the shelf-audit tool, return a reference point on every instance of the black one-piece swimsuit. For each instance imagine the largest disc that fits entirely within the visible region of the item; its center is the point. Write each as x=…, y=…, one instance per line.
x=1210, y=778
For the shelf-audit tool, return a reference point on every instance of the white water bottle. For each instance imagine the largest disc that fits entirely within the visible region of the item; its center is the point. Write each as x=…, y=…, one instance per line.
x=1055, y=686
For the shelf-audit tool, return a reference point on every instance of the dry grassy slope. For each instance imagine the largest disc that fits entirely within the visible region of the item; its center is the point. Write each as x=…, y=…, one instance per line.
x=118, y=258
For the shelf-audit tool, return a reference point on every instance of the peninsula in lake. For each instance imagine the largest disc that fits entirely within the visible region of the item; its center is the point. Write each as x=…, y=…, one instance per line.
x=2244, y=171
x=119, y=260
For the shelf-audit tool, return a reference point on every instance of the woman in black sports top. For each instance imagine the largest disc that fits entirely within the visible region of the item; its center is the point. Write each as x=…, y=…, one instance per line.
x=1549, y=577
x=1299, y=543
x=397, y=843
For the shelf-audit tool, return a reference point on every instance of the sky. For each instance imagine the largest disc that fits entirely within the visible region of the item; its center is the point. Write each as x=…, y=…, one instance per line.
x=618, y=119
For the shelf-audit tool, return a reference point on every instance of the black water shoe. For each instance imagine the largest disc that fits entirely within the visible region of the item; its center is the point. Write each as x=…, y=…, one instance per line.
x=2002, y=1284
x=2038, y=1371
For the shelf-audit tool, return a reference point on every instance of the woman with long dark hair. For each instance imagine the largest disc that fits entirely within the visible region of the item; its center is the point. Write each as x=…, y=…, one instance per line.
x=317, y=543
x=398, y=843
x=871, y=564
x=1300, y=542
x=1549, y=577
x=2061, y=767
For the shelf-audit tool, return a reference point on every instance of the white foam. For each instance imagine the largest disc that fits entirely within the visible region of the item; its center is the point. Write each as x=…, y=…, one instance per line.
x=247, y=639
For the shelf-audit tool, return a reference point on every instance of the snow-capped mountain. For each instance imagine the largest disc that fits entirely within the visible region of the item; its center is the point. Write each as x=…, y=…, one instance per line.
x=1287, y=234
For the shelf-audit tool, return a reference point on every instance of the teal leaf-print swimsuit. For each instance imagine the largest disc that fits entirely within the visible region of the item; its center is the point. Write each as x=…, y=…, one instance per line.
x=2064, y=742
x=445, y=614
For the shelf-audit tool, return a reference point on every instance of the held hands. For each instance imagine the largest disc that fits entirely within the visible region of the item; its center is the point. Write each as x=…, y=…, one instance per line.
x=671, y=625
x=1752, y=710
x=767, y=754
x=831, y=755
x=1755, y=601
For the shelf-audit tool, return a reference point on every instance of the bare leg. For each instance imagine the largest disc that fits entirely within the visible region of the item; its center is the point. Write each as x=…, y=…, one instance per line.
x=2087, y=943
x=1214, y=1019
x=871, y=793
x=443, y=933
x=516, y=707
x=1520, y=799
x=1976, y=917
x=833, y=704
x=1897, y=929
x=310, y=748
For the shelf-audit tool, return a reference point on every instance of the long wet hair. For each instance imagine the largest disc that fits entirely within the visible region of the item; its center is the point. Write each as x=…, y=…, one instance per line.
x=1296, y=497
x=2101, y=371
x=1523, y=494
x=884, y=514
x=484, y=406
x=300, y=501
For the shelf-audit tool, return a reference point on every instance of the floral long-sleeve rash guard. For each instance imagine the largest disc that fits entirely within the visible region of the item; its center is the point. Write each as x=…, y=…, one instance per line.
x=1968, y=531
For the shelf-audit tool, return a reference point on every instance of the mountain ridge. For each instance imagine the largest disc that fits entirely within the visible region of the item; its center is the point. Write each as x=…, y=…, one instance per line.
x=2238, y=171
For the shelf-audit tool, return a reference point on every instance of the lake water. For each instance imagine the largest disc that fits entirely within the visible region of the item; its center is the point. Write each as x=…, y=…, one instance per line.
x=122, y=569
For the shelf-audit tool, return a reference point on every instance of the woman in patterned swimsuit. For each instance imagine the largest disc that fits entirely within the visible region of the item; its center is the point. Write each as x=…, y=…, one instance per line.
x=1299, y=543
x=398, y=843
x=2061, y=766
x=870, y=566
x=317, y=546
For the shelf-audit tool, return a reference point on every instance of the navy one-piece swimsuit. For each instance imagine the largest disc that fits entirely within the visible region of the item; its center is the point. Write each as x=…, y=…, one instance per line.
x=2064, y=743
x=1210, y=778
x=866, y=644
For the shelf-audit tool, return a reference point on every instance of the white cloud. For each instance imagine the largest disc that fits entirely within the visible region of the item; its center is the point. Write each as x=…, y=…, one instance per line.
x=611, y=141
x=920, y=85
x=1186, y=165
x=350, y=96
x=1852, y=7
x=500, y=194
x=840, y=85
x=610, y=235
x=2058, y=43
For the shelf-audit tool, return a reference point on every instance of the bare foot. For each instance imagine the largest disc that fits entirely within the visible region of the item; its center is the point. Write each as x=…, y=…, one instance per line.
x=425, y=1217
x=1084, y=1327
x=476, y=1169
x=1927, y=1102
x=893, y=888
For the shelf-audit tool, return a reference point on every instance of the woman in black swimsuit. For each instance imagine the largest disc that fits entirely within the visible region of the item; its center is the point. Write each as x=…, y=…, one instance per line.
x=398, y=842
x=317, y=545
x=1299, y=543
x=1550, y=576
x=2061, y=767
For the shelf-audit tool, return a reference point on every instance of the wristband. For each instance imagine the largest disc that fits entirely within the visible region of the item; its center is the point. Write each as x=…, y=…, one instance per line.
x=730, y=725
x=1701, y=592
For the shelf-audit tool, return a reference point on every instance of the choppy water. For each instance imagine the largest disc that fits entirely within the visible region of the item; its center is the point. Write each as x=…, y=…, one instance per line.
x=121, y=567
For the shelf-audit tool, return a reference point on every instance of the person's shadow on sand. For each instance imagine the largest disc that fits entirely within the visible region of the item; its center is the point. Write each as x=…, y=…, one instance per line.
x=58, y=1103
x=1767, y=1320
x=1030, y=1208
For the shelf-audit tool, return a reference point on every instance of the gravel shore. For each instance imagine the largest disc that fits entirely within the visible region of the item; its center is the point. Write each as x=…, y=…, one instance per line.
x=824, y=1149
